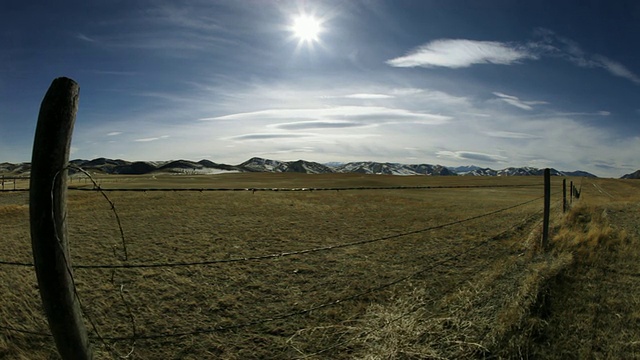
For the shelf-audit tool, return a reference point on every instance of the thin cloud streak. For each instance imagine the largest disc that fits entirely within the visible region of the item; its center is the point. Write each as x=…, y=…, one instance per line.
x=304, y=125
x=471, y=155
x=269, y=136
x=617, y=69
x=83, y=37
x=152, y=138
x=363, y=113
x=368, y=96
x=511, y=135
x=515, y=101
x=460, y=53
x=554, y=45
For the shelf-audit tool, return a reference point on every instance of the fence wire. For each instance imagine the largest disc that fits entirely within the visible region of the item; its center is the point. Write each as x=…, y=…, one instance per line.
x=283, y=254
x=320, y=306
x=283, y=189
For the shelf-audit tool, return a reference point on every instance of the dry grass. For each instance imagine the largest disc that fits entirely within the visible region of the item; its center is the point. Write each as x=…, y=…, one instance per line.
x=594, y=305
x=485, y=302
x=517, y=308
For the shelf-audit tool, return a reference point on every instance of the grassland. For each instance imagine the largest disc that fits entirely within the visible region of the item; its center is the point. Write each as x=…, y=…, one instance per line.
x=479, y=289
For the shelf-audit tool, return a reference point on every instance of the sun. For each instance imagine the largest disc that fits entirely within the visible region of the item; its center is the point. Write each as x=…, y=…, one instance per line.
x=306, y=28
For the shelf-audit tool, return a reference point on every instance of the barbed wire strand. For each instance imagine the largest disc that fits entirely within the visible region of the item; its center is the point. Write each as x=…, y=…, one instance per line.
x=111, y=203
x=16, y=263
x=303, y=189
x=254, y=322
x=65, y=257
x=24, y=331
x=132, y=320
x=317, y=307
x=310, y=189
x=288, y=253
x=415, y=309
x=299, y=252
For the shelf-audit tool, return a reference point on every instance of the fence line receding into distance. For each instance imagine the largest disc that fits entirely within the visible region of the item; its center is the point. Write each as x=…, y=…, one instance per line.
x=61, y=300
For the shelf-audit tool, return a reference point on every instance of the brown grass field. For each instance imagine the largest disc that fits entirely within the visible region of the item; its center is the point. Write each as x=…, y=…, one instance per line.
x=479, y=289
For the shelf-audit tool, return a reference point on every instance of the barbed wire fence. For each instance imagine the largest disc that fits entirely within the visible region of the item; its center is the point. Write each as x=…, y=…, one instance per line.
x=197, y=331
x=62, y=302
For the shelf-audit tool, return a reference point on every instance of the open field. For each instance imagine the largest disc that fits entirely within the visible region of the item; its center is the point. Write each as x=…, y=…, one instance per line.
x=476, y=289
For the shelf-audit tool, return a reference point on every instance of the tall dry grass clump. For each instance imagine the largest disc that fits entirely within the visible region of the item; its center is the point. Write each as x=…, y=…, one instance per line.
x=593, y=309
x=586, y=233
x=504, y=310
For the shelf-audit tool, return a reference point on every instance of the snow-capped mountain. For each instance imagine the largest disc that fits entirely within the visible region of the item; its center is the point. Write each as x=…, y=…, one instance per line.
x=523, y=171
x=369, y=167
x=463, y=169
x=257, y=164
x=260, y=165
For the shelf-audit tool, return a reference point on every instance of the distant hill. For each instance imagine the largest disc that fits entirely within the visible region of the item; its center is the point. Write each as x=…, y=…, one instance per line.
x=370, y=167
x=633, y=175
x=579, y=173
x=464, y=169
x=257, y=164
x=524, y=171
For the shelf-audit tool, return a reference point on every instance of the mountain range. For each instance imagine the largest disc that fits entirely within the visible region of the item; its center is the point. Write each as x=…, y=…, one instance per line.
x=257, y=164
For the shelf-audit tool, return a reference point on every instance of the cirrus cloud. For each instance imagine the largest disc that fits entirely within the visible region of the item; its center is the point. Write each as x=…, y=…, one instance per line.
x=460, y=53
x=346, y=113
x=303, y=125
x=471, y=155
x=268, y=136
x=515, y=101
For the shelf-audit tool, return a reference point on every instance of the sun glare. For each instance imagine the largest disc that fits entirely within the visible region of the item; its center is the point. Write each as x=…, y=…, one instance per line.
x=306, y=28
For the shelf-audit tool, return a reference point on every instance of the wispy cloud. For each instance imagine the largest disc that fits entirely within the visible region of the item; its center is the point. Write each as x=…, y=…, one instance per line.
x=515, y=101
x=551, y=44
x=511, y=135
x=304, y=125
x=114, y=133
x=269, y=136
x=406, y=91
x=471, y=155
x=345, y=113
x=368, y=96
x=152, y=138
x=460, y=53
x=616, y=68
x=84, y=37
x=570, y=114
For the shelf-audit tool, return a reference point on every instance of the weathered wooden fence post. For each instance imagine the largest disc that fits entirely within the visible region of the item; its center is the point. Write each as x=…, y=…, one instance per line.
x=571, y=193
x=48, y=210
x=547, y=207
x=564, y=195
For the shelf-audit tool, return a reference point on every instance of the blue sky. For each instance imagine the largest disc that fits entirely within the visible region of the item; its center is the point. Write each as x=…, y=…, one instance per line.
x=490, y=83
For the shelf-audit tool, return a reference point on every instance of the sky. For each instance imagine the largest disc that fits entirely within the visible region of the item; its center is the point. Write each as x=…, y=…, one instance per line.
x=491, y=83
